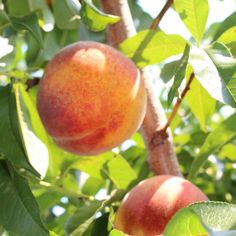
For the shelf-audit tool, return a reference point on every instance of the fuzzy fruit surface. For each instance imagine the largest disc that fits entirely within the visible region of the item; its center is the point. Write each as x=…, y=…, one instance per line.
x=148, y=207
x=91, y=98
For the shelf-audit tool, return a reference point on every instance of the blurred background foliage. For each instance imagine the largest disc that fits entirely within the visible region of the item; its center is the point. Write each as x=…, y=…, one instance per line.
x=79, y=195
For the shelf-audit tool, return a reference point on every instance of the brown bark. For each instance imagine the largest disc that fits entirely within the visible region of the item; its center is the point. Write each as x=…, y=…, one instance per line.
x=160, y=148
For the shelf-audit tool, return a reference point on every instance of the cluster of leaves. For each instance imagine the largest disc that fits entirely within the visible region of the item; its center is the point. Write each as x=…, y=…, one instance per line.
x=44, y=190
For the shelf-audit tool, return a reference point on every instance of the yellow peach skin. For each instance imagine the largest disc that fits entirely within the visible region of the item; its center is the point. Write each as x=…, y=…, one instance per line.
x=148, y=207
x=91, y=98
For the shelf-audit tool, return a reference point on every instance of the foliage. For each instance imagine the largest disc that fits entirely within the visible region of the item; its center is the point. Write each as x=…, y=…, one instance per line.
x=46, y=191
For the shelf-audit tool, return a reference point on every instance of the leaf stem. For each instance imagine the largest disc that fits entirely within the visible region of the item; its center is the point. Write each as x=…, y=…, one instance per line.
x=158, y=19
x=178, y=102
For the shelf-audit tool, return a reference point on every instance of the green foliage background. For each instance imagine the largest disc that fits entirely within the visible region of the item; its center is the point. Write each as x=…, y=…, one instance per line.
x=44, y=190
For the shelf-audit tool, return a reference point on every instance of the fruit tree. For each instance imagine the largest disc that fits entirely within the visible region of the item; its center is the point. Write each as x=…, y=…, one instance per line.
x=117, y=117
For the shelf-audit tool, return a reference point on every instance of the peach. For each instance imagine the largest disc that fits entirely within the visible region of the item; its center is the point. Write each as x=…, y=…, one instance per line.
x=91, y=98
x=147, y=208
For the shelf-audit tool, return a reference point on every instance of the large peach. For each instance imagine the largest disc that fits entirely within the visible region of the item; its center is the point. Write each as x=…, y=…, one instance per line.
x=147, y=208
x=91, y=98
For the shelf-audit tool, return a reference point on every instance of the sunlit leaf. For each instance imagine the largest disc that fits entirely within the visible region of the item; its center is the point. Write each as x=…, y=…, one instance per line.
x=229, y=39
x=203, y=219
x=10, y=136
x=215, y=77
x=115, y=232
x=151, y=47
x=107, y=165
x=229, y=151
x=194, y=14
x=225, y=25
x=200, y=102
x=95, y=19
x=31, y=131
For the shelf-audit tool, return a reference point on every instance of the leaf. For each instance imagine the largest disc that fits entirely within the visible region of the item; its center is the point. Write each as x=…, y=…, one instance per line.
x=226, y=66
x=80, y=222
x=19, y=210
x=151, y=46
x=228, y=36
x=229, y=39
x=94, y=19
x=100, y=226
x=225, y=25
x=169, y=70
x=115, y=232
x=179, y=75
x=18, y=8
x=32, y=131
x=30, y=24
x=203, y=218
x=4, y=19
x=229, y=151
x=201, y=103
x=194, y=14
x=224, y=132
x=9, y=127
x=215, y=78
x=107, y=165
x=185, y=223
x=66, y=13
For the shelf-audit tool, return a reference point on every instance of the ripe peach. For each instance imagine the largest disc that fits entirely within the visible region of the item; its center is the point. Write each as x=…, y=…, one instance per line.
x=91, y=98
x=147, y=208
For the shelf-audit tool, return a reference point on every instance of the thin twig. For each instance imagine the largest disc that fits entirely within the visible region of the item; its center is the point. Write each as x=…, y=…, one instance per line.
x=178, y=102
x=157, y=20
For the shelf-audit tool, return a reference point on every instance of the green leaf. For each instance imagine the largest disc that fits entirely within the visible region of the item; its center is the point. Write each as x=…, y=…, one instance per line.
x=100, y=226
x=226, y=66
x=201, y=103
x=4, y=19
x=229, y=39
x=66, y=13
x=225, y=25
x=107, y=165
x=151, y=46
x=32, y=131
x=224, y=132
x=19, y=211
x=9, y=127
x=94, y=19
x=204, y=218
x=18, y=8
x=229, y=151
x=185, y=223
x=80, y=222
x=179, y=75
x=228, y=36
x=169, y=70
x=30, y=24
x=116, y=232
x=215, y=77
x=194, y=14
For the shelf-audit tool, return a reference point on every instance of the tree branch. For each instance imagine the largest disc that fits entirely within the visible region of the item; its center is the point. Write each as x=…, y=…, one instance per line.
x=161, y=155
x=178, y=102
x=158, y=19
